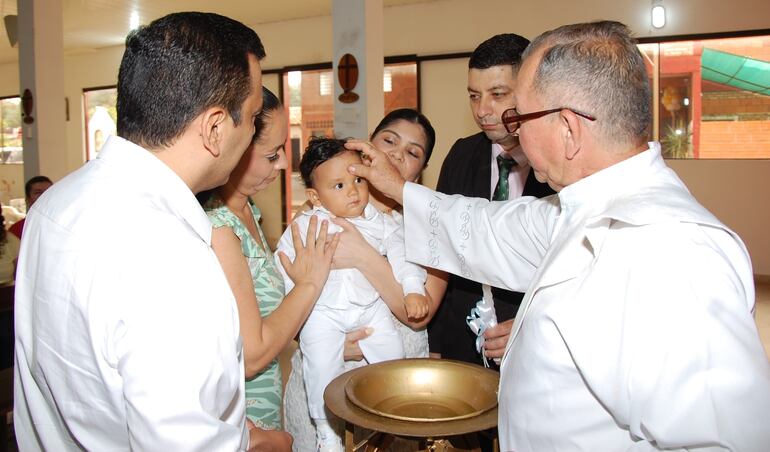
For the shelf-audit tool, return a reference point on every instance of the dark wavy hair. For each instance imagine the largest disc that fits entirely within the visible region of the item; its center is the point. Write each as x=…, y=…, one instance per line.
x=178, y=66
x=318, y=150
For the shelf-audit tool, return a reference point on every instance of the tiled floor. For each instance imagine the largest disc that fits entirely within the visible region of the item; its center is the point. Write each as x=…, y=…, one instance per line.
x=762, y=315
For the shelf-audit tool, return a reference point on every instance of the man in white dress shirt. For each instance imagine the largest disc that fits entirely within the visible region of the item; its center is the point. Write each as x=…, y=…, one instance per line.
x=127, y=333
x=636, y=330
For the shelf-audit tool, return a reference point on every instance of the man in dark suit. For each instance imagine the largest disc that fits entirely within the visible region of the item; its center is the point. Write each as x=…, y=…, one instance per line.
x=473, y=168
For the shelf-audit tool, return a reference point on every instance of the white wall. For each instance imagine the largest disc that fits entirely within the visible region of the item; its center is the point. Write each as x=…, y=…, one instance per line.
x=445, y=103
x=736, y=191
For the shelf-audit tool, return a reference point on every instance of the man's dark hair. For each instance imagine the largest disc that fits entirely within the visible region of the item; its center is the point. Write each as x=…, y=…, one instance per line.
x=32, y=181
x=499, y=50
x=415, y=117
x=178, y=66
x=318, y=151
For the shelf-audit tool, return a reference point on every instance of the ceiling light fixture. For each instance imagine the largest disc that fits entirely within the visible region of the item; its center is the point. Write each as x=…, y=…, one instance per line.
x=658, y=15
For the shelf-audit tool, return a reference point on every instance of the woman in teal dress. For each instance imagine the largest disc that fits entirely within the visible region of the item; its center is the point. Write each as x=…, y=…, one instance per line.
x=269, y=320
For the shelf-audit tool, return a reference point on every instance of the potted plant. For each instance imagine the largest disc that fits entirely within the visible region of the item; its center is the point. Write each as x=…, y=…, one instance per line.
x=675, y=143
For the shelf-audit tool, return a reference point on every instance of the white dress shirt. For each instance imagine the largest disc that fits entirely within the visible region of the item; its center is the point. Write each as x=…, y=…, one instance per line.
x=127, y=333
x=636, y=330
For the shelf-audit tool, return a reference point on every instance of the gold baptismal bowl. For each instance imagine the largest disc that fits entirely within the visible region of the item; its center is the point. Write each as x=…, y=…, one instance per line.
x=423, y=390
x=416, y=398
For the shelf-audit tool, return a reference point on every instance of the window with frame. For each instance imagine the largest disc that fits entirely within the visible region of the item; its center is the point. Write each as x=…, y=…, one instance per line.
x=711, y=97
x=99, y=106
x=11, y=148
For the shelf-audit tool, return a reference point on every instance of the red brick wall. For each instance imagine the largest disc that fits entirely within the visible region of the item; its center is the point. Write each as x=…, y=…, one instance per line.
x=727, y=102
x=735, y=139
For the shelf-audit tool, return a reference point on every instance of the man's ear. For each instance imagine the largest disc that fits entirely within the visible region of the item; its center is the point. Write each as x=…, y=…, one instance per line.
x=211, y=129
x=312, y=196
x=572, y=129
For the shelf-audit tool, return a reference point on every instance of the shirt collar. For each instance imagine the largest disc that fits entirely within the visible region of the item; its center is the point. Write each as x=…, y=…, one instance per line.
x=158, y=182
x=621, y=177
x=517, y=154
x=370, y=212
x=639, y=190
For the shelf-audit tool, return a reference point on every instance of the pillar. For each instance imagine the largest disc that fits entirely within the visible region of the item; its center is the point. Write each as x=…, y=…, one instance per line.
x=357, y=30
x=41, y=71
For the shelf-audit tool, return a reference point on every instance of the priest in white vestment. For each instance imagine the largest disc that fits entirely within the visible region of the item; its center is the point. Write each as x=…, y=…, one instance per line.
x=636, y=332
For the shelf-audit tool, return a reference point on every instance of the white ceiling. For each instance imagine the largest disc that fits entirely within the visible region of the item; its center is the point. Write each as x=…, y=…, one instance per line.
x=92, y=24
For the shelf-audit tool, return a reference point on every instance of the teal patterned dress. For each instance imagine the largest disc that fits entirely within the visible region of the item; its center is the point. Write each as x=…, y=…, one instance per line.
x=263, y=392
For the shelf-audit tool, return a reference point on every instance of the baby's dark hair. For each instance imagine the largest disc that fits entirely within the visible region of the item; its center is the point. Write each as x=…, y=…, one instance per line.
x=319, y=150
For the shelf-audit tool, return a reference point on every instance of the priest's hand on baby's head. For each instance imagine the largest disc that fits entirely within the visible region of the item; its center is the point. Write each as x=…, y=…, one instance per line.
x=379, y=171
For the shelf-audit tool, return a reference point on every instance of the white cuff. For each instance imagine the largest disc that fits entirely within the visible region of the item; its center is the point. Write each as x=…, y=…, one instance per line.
x=413, y=284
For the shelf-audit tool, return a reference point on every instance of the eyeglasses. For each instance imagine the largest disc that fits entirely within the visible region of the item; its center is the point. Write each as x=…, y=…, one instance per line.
x=512, y=120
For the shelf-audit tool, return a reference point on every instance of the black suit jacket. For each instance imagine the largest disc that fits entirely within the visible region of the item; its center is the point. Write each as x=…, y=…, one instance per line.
x=466, y=171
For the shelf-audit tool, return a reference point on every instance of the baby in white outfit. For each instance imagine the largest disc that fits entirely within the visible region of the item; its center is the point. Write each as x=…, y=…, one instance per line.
x=348, y=301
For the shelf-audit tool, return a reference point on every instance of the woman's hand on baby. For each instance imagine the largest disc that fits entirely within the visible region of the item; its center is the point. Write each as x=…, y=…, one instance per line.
x=353, y=251
x=314, y=258
x=352, y=351
x=417, y=306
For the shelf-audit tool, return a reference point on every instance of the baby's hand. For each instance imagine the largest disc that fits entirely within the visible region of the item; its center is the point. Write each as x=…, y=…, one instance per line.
x=416, y=306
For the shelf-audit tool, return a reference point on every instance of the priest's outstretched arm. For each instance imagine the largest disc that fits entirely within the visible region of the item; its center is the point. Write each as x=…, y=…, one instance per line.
x=496, y=243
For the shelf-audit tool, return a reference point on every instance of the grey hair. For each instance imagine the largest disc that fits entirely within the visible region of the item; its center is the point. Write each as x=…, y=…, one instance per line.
x=596, y=68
